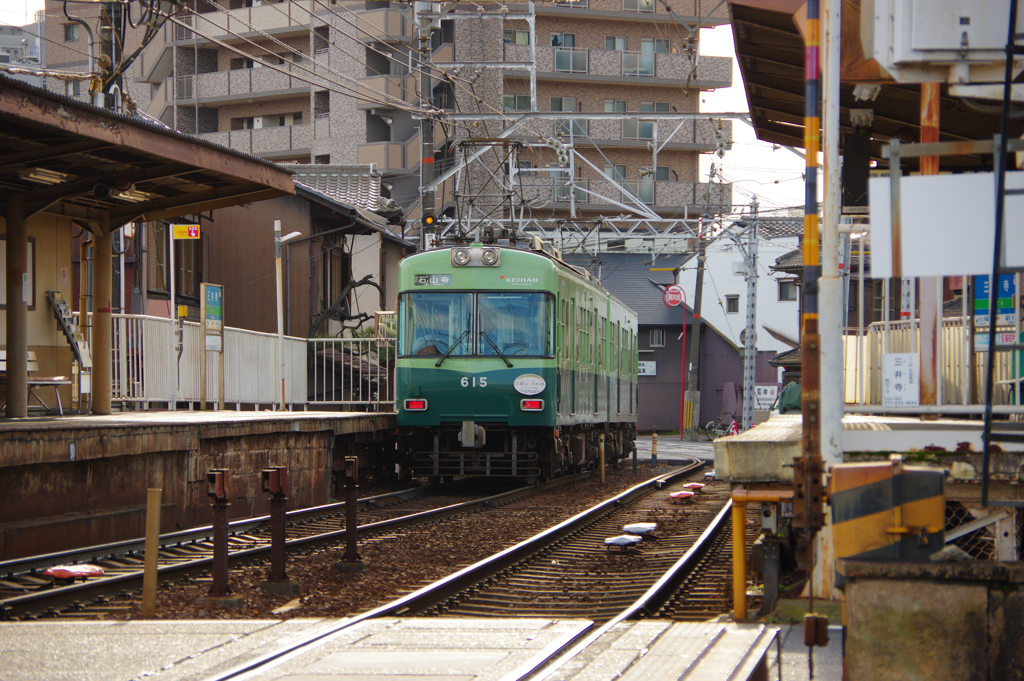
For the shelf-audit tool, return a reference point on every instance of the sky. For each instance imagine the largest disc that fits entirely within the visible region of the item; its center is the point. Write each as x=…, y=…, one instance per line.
x=773, y=174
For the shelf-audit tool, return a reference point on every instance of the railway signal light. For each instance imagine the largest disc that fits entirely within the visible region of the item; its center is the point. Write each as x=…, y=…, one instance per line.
x=429, y=221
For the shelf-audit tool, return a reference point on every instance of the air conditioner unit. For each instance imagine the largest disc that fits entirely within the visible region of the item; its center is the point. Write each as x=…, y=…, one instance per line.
x=739, y=269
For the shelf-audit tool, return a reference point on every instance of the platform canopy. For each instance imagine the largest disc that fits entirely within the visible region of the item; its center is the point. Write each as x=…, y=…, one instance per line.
x=770, y=54
x=102, y=169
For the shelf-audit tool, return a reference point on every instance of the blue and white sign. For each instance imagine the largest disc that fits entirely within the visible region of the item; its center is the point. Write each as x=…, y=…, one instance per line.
x=1006, y=300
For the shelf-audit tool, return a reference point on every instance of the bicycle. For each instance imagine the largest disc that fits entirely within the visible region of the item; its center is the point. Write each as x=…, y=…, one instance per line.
x=716, y=428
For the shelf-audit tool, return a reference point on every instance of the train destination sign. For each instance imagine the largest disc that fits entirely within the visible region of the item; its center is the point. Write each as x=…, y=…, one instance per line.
x=433, y=280
x=530, y=384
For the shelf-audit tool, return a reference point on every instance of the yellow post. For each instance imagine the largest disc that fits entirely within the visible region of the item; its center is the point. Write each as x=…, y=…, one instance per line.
x=740, y=498
x=600, y=451
x=152, y=552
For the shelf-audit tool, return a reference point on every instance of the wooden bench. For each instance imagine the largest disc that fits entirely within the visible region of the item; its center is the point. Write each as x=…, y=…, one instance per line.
x=35, y=382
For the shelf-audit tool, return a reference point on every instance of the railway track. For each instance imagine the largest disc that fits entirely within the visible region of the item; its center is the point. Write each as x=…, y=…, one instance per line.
x=665, y=570
x=25, y=593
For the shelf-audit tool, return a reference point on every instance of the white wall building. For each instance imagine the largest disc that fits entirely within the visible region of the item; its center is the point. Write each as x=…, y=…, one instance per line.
x=724, y=298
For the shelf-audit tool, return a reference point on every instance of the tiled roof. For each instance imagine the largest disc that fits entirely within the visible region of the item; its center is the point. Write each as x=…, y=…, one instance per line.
x=793, y=263
x=356, y=185
x=628, y=277
x=790, y=358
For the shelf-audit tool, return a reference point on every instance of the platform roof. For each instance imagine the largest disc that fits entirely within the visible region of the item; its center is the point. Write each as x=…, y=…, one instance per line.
x=103, y=168
x=770, y=55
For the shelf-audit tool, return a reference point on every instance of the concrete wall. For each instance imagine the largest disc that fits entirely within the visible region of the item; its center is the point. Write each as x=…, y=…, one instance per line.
x=86, y=482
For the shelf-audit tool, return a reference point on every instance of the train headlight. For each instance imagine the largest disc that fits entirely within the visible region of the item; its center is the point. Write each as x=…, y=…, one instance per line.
x=531, y=405
x=489, y=256
x=460, y=257
x=415, y=405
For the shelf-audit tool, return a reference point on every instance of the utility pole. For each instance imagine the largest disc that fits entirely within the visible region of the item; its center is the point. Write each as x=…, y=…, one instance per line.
x=426, y=123
x=692, y=394
x=750, y=340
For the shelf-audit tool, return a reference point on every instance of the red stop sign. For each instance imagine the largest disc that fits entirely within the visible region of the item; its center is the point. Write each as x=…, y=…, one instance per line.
x=672, y=296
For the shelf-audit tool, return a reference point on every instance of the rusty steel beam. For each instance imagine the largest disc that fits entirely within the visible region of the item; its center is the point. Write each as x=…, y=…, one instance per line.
x=44, y=152
x=197, y=202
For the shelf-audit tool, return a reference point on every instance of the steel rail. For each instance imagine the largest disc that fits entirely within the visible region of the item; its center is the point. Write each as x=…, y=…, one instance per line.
x=96, y=552
x=90, y=590
x=441, y=590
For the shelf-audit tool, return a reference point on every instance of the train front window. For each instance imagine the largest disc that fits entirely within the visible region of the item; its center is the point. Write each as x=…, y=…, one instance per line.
x=515, y=324
x=435, y=323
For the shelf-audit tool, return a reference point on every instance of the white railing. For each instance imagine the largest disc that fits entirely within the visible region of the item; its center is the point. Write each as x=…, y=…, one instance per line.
x=863, y=364
x=147, y=371
x=352, y=371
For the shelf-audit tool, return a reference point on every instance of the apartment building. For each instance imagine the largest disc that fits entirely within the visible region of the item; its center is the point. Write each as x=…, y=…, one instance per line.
x=310, y=81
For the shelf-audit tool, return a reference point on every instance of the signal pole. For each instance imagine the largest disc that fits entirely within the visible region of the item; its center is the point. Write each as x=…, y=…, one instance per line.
x=426, y=123
x=692, y=394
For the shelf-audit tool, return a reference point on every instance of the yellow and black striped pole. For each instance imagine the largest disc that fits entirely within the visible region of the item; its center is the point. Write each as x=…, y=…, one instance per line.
x=808, y=502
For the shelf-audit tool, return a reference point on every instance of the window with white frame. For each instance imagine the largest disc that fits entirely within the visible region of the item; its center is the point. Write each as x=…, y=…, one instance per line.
x=732, y=304
x=516, y=102
x=657, y=338
x=637, y=5
x=517, y=37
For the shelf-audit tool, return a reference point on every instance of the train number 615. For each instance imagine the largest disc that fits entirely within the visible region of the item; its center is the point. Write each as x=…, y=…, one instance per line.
x=481, y=381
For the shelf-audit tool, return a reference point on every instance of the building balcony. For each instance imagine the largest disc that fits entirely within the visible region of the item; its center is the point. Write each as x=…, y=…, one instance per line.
x=395, y=158
x=635, y=131
x=580, y=64
x=385, y=92
x=222, y=87
x=280, y=142
x=281, y=19
x=605, y=196
x=384, y=25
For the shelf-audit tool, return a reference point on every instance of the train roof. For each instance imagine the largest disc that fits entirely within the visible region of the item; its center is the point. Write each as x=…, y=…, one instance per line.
x=537, y=246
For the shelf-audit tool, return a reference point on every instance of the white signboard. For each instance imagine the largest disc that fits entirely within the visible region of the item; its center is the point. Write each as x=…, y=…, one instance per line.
x=764, y=396
x=1002, y=338
x=648, y=369
x=900, y=387
x=932, y=231
x=529, y=384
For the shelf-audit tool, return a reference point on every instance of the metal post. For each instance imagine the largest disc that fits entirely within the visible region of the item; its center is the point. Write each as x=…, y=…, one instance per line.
x=351, y=501
x=102, y=361
x=175, y=326
x=750, y=339
x=634, y=457
x=219, y=492
x=692, y=394
x=17, y=306
x=149, y=575
x=654, y=448
x=279, y=371
x=600, y=450
x=930, y=297
x=833, y=311
x=275, y=483
x=426, y=123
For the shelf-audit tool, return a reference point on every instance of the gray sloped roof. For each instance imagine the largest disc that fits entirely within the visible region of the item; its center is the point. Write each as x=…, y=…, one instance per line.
x=628, y=277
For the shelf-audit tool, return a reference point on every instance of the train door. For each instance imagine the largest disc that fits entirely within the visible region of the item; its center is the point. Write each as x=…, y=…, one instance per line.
x=596, y=361
x=574, y=353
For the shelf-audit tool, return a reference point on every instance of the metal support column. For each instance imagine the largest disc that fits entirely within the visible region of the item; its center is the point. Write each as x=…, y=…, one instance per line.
x=692, y=394
x=102, y=330
x=17, y=306
x=218, y=489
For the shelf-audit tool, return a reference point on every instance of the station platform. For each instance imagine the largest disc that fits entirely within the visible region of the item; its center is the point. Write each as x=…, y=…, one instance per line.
x=415, y=649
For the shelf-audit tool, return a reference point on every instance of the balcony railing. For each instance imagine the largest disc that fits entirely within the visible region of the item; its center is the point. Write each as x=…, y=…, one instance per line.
x=376, y=92
x=571, y=59
x=638, y=64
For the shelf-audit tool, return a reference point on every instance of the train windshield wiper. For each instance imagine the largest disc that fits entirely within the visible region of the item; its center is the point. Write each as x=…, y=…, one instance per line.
x=493, y=345
x=452, y=347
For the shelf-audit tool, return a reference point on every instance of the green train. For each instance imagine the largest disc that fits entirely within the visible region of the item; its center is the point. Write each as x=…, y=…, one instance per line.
x=510, y=363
